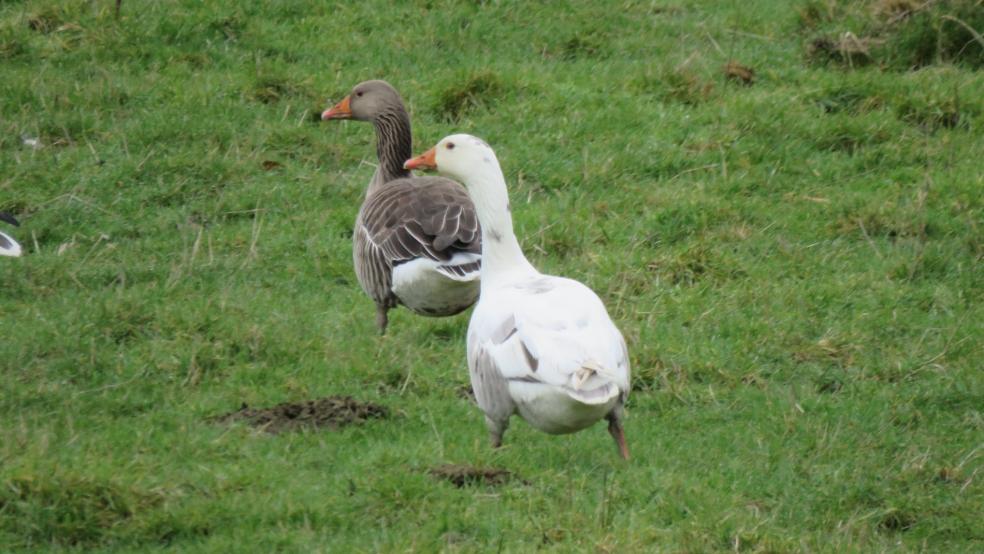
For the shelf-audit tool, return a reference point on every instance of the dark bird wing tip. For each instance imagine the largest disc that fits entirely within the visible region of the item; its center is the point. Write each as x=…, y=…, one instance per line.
x=9, y=218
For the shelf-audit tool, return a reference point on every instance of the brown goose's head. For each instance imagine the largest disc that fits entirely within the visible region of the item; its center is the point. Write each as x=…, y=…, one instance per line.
x=367, y=100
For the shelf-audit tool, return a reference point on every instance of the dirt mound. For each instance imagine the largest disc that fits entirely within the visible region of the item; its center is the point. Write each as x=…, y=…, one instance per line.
x=463, y=476
x=332, y=412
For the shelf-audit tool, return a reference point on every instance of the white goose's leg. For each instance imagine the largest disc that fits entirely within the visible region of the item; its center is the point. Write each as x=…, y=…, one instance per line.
x=615, y=429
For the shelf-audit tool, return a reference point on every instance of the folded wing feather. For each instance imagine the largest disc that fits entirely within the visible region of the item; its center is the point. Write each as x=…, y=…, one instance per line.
x=428, y=217
x=560, y=335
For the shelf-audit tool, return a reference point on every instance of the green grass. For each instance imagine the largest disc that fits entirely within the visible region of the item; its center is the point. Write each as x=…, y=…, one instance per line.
x=796, y=265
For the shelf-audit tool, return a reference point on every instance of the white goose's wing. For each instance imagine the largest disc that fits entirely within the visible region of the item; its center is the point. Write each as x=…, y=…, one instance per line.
x=9, y=246
x=549, y=330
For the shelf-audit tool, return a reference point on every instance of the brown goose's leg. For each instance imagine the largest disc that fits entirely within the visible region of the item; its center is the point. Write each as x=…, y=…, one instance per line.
x=615, y=428
x=496, y=429
x=381, y=319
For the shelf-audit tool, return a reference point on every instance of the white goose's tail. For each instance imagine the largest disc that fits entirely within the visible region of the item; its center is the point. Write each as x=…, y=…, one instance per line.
x=591, y=384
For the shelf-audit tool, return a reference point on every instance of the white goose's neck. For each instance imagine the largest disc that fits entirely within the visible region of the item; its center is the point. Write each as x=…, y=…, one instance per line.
x=502, y=257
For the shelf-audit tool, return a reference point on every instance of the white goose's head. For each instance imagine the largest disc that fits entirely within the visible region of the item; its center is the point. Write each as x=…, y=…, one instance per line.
x=459, y=157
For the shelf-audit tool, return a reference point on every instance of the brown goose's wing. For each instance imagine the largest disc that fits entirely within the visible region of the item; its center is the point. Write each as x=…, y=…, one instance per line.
x=422, y=217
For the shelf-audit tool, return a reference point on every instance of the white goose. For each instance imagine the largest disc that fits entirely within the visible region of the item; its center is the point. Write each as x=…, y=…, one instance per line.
x=8, y=246
x=538, y=345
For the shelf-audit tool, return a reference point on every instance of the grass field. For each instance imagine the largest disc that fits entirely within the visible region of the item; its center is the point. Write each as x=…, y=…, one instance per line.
x=796, y=263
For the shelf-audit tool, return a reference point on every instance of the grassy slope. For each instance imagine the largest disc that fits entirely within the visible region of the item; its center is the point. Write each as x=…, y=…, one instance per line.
x=795, y=264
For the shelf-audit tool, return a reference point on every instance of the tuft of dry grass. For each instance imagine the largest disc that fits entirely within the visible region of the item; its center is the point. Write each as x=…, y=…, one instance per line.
x=474, y=91
x=900, y=34
x=739, y=73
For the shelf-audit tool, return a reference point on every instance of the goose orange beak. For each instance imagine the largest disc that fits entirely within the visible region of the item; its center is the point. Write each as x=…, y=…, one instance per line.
x=426, y=160
x=342, y=110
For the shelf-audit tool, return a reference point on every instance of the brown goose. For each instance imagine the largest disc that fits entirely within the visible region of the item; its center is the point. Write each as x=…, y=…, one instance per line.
x=417, y=241
x=9, y=246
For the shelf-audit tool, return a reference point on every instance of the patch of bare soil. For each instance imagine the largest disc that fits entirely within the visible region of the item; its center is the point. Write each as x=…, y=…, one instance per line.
x=332, y=412
x=464, y=476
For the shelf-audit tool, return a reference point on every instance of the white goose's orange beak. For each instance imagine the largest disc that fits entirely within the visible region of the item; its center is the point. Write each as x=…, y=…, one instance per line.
x=427, y=160
x=342, y=110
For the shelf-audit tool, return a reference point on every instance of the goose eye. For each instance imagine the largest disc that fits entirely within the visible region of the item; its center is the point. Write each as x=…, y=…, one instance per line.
x=450, y=146
x=359, y=93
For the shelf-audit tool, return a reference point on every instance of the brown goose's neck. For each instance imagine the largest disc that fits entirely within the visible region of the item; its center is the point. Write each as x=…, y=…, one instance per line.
x=394, y=143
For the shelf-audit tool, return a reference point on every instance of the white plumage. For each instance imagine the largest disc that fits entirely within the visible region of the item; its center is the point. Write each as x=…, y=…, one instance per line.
x=424, y=285
x=540, y=346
